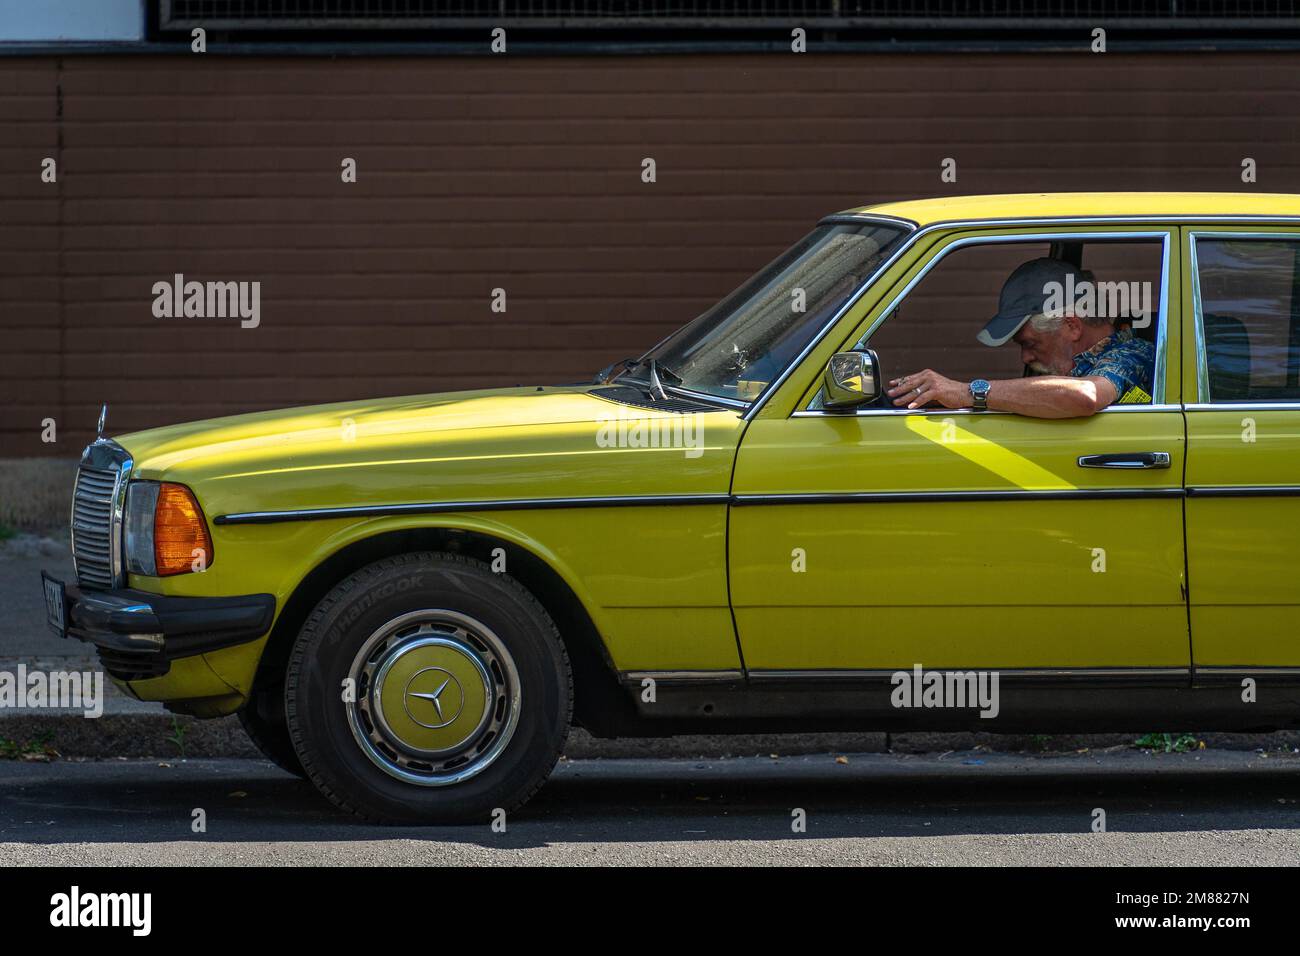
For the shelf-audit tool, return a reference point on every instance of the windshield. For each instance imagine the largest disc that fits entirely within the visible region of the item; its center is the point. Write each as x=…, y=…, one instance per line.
x=741, y=344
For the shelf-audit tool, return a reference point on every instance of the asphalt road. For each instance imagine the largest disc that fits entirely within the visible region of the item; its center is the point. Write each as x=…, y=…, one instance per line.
x=1206, y=809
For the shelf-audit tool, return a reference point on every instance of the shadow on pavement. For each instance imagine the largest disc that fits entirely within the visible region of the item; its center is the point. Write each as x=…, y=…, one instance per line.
x=649, y=801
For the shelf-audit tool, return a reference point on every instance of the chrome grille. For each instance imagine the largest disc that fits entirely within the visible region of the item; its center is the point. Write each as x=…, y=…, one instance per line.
x=92, y=527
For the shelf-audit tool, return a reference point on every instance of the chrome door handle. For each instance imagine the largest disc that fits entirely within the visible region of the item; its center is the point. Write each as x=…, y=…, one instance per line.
x=1132, y=459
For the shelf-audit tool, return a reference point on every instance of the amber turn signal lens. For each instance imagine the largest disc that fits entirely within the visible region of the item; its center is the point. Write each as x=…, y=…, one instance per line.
x=180, y=533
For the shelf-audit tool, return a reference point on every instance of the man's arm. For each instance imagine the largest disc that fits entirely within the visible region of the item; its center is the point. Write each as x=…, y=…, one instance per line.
x=1046, y=396
x=1051, y=396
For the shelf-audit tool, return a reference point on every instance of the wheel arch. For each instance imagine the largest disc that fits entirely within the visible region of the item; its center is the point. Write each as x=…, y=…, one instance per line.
x=600, y=705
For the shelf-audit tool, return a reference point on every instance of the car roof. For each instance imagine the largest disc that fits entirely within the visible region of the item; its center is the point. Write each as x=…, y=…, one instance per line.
x=1083, y=205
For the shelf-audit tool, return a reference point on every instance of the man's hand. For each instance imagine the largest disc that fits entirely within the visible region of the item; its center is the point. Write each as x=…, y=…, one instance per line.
x=922, y=388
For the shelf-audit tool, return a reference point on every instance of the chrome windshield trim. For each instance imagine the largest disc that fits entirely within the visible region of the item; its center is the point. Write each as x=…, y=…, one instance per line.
x=444, y=507
x=906, y=242
x=1028, y=221
x=703, y=397
x=851, y=218
x=706, y=397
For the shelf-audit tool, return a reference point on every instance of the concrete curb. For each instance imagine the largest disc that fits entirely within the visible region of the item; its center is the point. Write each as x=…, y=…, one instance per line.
x=166, y=736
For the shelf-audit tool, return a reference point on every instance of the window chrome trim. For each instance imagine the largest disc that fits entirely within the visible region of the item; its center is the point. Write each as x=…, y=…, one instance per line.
x=1247, y=406
x=1161, y=343
x=1026, y=221
x=1224, y=218
x=1204, y=401
x=945, y=412
x=1157, y=407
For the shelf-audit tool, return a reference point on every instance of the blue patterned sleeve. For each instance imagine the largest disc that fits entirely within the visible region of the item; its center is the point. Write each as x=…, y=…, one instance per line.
x=1128, y=366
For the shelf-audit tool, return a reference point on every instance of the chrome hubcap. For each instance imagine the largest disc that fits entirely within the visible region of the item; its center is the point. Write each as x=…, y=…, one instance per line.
x=437, y=697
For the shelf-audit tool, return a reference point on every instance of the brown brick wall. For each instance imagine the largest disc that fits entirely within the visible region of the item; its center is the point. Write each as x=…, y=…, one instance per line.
x=521, y=173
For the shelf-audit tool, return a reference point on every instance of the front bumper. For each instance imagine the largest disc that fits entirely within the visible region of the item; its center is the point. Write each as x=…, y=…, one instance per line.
x=139, y=634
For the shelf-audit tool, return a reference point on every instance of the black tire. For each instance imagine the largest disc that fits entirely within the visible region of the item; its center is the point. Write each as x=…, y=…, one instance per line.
x=340, y=744
x=263, y=720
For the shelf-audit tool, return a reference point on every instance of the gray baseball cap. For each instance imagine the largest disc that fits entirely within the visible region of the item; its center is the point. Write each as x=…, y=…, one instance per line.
x=1025, y=295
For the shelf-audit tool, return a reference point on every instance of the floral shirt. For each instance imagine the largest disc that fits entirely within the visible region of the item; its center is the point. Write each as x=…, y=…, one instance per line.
x=1122, y=359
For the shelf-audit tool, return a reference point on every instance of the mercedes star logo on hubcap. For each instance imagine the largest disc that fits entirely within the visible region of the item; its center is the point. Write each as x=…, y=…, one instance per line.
x=433, y=689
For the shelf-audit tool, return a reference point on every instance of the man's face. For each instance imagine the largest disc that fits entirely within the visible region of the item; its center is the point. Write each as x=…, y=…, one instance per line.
x=1048, y=353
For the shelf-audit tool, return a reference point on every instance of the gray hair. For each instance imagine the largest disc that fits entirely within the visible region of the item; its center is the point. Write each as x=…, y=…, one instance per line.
x=1050, y=323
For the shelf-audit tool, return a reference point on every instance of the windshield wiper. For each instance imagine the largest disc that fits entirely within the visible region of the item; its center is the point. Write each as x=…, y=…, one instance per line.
x=657, y=374
x=613, y=371
x=655, y=384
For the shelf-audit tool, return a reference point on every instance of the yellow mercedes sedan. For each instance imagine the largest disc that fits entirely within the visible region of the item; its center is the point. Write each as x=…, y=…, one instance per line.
x=1002, y=463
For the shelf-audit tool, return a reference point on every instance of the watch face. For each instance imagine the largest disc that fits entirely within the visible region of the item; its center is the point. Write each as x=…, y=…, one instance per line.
x=979, y=385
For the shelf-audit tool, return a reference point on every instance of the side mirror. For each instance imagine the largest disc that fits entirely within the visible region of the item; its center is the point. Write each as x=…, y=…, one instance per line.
x=851, y=379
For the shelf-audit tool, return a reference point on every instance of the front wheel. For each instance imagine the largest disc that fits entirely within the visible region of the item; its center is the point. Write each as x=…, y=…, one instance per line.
x=427, y=689
x=263, y=720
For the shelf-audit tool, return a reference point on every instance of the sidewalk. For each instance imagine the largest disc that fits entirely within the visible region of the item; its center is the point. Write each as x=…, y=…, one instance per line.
x=25, y=638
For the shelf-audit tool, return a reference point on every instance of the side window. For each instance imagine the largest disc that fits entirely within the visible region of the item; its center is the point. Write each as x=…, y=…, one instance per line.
x=1250, y=318
x=936, y=325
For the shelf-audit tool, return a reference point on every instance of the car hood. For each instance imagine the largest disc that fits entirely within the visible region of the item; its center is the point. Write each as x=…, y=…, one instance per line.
x=345, y=429
x=472, y=445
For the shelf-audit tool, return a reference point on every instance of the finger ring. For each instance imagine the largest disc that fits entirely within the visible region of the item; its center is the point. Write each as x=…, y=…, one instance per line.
x=918, y=390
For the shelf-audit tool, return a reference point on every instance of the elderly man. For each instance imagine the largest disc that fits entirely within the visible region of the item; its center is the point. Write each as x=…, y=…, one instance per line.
x=1083, y=363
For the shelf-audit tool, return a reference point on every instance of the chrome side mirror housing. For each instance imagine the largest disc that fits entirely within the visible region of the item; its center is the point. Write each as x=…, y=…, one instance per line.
x=851, y=379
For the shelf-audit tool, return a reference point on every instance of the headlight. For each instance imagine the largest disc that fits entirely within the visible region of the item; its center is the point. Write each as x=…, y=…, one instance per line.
x=166, y=532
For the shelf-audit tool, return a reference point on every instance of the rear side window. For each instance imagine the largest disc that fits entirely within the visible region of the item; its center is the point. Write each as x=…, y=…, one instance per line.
x=1250, y=318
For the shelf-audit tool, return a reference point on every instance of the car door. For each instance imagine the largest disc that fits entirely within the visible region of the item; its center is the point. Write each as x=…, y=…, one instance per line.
x=1243, y=465
x=885, y=539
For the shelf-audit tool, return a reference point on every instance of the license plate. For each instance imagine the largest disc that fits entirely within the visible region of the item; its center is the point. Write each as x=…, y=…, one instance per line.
x=56, y=605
